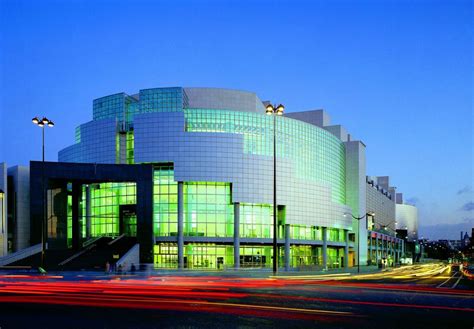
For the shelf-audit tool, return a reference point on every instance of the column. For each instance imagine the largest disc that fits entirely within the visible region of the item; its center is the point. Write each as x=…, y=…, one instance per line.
x=145, y=230
x=325, y=248
x=180, y=226
x=397, y=251
x=384, y=247
x=377, y=249
x=236, y=235
x=392, y=250
x=76, y=230
x=287, y=247
x=88, y=211
x=346, y=250
x=370, y=248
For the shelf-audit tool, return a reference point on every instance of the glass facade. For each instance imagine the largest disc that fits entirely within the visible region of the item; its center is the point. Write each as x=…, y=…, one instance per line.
x=301, y=232
x=208, y=210
x=301, y=256
x=317, y=154
x=211, y=256
x=222, y=155
x=107, y=209
x=335, y=257
x=256, y=221
x=165, y=201
x=162, y=100
x=111, y=106
x=336, y=235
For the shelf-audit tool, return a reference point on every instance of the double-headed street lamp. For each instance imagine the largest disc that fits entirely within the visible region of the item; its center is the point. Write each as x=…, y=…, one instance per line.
x=358, y=230
x=275, y=111
x=42, y=123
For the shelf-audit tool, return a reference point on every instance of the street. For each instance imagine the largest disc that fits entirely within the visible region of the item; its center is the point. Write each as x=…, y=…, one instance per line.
x=420, y=296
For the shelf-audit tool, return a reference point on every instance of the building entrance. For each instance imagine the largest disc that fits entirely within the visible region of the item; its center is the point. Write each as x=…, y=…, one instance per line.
x=128, y=219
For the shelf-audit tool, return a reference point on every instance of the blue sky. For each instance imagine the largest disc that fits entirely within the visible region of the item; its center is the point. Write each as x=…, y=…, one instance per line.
x=397, y=74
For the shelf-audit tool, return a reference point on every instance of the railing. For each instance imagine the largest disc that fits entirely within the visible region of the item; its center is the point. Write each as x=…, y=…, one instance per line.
x=64, y=262
x=91, y=241
x=21, y=254
x=116, y=239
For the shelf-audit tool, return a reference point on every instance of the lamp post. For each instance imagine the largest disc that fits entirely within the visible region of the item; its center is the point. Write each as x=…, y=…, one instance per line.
x=275, y=111
x=42, y=123
x=3, y=250
x=358, y=241
x=387, y=226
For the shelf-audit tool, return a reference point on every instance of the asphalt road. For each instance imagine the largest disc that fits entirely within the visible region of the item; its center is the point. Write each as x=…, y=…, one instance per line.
x=426, y=296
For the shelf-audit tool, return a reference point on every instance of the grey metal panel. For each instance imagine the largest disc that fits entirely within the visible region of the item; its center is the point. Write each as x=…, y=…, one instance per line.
x=97, y=145
x=219, y=98
x=21, y=187
x=220, y=157
x=315, y=117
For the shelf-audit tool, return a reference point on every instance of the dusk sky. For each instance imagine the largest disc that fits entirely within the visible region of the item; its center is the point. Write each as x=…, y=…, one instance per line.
x=397, y=74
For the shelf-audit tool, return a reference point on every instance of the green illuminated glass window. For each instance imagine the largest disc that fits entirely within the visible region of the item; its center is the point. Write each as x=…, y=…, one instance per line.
x=305, y=256
x=165, y=201
x=334, y=257
x=317, y=154
x=69, y=220
x=166, y=255
x=106, y=202
x=256, y=221
x=256, y=256
x=337, y=235
x=306, y=232
x=208, y=210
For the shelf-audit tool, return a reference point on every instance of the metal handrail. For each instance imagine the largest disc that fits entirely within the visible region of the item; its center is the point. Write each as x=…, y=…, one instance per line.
x=91, y=241
x=76, y=255
x=116, y=239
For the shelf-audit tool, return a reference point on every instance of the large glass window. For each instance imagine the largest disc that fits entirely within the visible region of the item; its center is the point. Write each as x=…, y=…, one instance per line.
x=256, y=256
x=306, y=232
x=162, y=100
x=107, y=200
x=208, y=210
x=337, y=235
x=207, y=255
x=256, y=221
x=335, y=257
x=165, y=201
x=317, y=154
x=166, y=255
x=305, y=256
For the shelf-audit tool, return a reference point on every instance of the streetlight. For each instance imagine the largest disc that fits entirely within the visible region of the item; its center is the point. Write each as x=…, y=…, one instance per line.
x=387, y=226
x=370, y=213
x=43, y=123
x=275, y=111
x=2, y=222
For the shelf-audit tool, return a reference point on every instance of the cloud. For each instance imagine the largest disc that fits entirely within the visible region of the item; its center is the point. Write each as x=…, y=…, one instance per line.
x=465, y=189
x=468, y=206
x=413, y=201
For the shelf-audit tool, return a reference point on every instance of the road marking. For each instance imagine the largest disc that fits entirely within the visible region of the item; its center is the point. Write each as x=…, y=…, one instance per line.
x=444, y=282
x=454, y=286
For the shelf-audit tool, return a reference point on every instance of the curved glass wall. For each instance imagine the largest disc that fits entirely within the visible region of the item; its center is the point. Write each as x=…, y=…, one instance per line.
x=317, y=154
